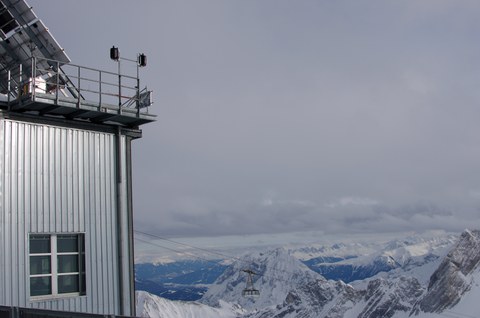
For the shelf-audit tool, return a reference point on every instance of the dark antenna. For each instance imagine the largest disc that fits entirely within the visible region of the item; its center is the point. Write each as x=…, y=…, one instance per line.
x=250, y=290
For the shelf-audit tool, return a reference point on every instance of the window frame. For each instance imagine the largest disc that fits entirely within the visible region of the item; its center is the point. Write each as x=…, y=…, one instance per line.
x=55, y=274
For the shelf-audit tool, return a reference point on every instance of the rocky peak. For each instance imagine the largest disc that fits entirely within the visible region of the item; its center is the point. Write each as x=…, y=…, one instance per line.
x=465, y=255
x=384, y=298
x=450, y=281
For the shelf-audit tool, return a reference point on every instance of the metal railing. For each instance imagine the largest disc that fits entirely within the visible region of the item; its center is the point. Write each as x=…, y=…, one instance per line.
x=76, y=86
x=19, y=312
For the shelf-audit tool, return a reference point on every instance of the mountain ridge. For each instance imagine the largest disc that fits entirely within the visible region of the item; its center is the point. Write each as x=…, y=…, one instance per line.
x=288, y=288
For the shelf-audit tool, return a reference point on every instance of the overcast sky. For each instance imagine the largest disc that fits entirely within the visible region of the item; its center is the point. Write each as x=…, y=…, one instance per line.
x=279, y=116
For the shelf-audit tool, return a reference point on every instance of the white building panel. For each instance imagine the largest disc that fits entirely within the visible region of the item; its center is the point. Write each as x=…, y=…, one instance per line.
x=56, y=180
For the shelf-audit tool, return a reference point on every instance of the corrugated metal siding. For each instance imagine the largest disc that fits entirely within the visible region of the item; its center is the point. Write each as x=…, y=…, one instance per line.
x=55, y=180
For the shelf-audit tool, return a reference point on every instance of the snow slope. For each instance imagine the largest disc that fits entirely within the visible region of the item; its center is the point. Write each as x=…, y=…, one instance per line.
x=152, y=306
x=277, y=273
x=405, y=254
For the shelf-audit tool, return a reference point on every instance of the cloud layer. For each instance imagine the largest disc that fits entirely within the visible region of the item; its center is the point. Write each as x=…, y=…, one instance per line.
x=283, y=116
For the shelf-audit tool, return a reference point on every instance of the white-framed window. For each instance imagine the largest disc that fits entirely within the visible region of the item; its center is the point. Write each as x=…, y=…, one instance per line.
x=57, y=265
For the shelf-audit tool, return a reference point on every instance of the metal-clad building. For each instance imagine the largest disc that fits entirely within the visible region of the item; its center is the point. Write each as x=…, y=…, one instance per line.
x=66, y=233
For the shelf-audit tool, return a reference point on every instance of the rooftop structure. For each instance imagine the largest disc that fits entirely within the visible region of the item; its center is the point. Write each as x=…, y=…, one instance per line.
x=66, y=212
x=36, y=76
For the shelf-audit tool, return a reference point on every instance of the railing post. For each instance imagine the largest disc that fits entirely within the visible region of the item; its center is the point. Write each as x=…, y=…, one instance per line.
x=19, y=89
x=34, y=66
x=119, y=89
x=78, y=88
x=15, y=312
x=99, y=90
x=9, y=75
x=57, y=84
x=138, y=95
x=34, y=82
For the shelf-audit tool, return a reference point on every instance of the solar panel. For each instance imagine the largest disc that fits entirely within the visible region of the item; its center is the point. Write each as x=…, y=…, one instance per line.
x=23, y=35
x=7, y=22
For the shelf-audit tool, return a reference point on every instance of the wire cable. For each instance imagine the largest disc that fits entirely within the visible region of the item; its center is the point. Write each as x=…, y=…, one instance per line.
x=248, y=263
x=187, y=245
x=178, y=251
x=277, y=277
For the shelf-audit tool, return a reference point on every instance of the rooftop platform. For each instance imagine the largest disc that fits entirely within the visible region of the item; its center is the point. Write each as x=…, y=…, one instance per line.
x=77, y=93
x=36, y=76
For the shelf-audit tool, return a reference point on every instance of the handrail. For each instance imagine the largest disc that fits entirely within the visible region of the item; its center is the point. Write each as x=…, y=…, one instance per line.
x=85, y=84
x=21, y=312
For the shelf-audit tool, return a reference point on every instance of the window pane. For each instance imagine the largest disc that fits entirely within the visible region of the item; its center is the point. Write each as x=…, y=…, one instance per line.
x=67, y=263
x=40, y=265
x=39, y=244
x=67, y=243
x=40, y=286
x=68, y=284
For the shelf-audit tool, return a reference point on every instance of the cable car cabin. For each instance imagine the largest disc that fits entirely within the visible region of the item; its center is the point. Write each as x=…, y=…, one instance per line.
x=250, y=290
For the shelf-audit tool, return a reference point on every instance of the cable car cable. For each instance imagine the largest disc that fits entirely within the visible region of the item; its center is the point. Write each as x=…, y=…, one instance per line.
x=278, y=278
x=208, y=251
x=178, y=251
x=249, y=291
x=184, y=244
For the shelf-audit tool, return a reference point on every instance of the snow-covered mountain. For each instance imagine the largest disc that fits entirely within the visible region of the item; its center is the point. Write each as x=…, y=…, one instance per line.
x=152, y=306
x=453, y=278
x=277, y=273
x=421, y=287
x=344, y=264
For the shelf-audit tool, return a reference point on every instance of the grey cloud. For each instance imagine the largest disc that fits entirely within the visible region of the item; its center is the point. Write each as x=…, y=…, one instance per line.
x=407, y=212
x=346, y=113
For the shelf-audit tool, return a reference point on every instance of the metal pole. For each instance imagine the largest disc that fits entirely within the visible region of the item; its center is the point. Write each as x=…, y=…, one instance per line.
x=129, y=207
x=99, y=90
x=19, y=96
x=119, y=89
x=138, y=89
x=120, y=231
x=78, y=88
x=34, y=75
x=57, y=84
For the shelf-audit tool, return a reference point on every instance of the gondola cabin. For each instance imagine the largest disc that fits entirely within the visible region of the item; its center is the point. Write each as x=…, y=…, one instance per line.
x=250, y=290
